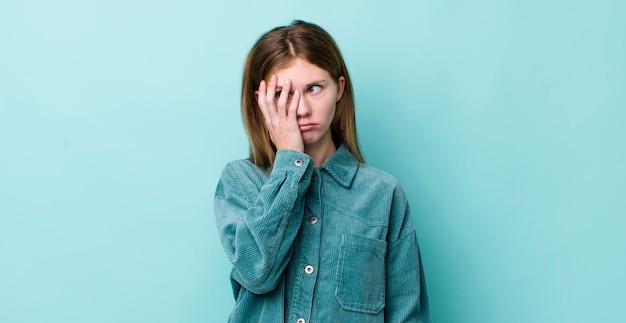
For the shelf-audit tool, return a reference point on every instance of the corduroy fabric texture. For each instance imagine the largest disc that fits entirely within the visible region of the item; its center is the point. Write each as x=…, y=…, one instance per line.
x=330, y=244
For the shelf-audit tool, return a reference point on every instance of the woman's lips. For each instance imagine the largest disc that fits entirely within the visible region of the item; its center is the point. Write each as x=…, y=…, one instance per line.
x=306, y=126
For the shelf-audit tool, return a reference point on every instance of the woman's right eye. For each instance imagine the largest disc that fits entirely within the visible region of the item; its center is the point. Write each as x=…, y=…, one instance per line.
x=278, y=93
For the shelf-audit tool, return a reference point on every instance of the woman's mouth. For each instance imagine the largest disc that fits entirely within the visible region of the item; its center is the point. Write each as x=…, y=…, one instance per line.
x=306, y=126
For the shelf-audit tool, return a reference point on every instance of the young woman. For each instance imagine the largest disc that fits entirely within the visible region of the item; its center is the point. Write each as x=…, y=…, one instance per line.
x=313, y=233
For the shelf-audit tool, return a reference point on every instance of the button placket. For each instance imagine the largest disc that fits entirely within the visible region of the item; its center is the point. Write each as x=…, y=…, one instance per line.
x=306, y=272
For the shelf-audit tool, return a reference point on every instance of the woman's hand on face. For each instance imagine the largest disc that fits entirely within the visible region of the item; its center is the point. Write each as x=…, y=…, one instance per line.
x=280, y=114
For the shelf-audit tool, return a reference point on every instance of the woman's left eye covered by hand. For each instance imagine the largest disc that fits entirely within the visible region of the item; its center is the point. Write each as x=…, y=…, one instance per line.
x=313, y=89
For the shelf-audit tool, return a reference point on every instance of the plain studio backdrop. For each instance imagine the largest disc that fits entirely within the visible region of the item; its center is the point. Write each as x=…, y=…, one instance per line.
x=503, y=120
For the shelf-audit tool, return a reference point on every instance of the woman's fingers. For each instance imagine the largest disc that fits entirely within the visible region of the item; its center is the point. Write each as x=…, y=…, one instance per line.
x=270, y=95
x=279, y=109
x=283, y=99
x=260, y=99
x=293, y=105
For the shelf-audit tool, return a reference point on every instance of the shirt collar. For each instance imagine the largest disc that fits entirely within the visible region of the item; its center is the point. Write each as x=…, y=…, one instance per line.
x=342, y=166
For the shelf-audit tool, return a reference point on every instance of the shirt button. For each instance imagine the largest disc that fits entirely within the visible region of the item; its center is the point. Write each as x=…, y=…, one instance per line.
x=300, y=320
x=313, y=220
x=298, y=162
x=313, y=178
x=308, y=270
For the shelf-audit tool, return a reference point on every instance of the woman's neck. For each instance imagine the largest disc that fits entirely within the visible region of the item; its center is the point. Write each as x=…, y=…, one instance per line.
x=321, y=152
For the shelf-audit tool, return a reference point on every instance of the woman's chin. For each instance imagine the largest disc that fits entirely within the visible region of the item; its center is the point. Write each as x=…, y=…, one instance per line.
x=309, y=140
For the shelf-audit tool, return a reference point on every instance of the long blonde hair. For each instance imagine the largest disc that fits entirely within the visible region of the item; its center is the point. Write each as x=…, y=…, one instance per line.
x=276, y=49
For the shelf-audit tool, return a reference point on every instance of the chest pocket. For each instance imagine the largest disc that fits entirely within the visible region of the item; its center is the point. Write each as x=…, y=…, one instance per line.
x=361, y=274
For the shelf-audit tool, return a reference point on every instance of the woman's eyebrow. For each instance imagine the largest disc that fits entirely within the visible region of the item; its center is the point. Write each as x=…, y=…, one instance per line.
x=317, y=82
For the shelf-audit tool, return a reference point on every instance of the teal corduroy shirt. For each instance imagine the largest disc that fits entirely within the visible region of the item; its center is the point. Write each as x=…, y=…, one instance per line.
x=330, y=244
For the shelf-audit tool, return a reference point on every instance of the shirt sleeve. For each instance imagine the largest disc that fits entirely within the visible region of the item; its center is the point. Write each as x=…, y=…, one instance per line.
x=406, y=294
x=258, y=220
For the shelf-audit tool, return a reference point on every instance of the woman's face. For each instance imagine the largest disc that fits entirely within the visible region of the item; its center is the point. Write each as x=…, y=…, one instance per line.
x=318, y=99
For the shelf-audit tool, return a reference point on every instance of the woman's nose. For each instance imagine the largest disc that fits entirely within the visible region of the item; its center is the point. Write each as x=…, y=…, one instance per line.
x=304, y=108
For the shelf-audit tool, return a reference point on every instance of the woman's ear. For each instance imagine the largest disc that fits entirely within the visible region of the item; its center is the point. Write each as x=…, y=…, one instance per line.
x=341, y=83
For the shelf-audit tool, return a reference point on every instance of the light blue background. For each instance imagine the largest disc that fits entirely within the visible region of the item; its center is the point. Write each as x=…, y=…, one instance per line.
x=504, y=121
